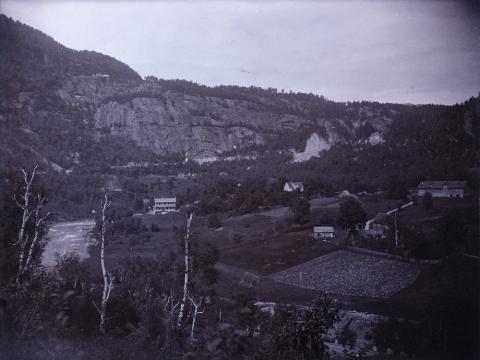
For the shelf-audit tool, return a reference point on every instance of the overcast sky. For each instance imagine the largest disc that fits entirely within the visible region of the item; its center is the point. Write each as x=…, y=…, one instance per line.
x=388, y=51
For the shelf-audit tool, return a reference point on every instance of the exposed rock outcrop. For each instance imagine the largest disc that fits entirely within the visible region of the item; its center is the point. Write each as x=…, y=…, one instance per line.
x=192, y=125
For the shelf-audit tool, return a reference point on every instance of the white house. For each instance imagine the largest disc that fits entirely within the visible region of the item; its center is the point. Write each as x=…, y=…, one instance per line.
x=323, y=232
x=291, y=186
x=163, y=205
x=445, y=189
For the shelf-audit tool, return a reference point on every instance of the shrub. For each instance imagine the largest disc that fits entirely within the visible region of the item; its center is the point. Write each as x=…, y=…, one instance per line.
x=347, y=336
x=214, y=222
x=427, y=201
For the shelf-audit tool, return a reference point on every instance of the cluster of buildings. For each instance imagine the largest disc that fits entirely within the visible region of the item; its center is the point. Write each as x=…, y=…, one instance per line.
x=379, y=225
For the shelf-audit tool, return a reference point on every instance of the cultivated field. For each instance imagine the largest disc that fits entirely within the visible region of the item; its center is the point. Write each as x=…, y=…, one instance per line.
x=147, y=244
x=277, y=212
x=262, y=243
x=323, y=202
x=351, y=274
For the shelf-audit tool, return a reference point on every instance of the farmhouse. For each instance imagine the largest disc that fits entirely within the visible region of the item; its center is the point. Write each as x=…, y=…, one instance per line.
x=445, y=189
x=323, y=232
x=163, y=205
x=378, y=226
x=291, y=186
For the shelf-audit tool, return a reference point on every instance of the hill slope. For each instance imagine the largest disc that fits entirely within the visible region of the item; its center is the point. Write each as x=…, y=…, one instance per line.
x=72, y=108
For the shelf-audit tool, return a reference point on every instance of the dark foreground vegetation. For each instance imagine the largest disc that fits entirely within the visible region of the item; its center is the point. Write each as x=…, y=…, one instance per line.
x=56, y=312
x=164, y=307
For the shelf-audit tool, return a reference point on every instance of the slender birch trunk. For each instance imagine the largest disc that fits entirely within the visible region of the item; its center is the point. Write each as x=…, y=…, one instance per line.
x=24, y=204
x=40, y=204
x=108, y=279
x=196, y=307
x=186, y=278
x=169, y=307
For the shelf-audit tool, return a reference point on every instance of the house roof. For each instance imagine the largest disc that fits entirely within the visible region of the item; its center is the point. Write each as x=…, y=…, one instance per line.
x=380, y=218
x=346, y=193
x=294, y=184
x=441, y=184
x=323, y=229
x=165, y=199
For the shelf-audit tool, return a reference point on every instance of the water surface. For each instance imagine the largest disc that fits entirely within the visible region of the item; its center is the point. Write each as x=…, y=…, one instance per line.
x=68, y=236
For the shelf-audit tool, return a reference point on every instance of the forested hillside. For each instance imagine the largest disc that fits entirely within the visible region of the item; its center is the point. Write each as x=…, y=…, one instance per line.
x=86, y=113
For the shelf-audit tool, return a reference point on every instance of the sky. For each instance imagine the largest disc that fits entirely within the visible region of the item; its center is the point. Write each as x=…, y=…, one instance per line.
x=387, y=51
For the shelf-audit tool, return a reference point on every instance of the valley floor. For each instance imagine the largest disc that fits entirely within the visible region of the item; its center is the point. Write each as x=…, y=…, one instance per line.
x=283, y=264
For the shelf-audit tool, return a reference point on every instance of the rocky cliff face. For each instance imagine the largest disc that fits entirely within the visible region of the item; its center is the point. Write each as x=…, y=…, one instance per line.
x=199, y=126
x=167, y=121
x=195, y=126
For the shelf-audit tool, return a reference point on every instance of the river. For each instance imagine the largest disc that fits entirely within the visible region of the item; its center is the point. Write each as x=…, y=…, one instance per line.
x=68, y=236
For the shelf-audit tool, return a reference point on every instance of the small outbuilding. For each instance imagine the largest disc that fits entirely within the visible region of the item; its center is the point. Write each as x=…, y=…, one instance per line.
x=323, y=232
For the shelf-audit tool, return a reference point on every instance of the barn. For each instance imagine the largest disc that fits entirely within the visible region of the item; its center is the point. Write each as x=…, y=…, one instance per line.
x=442, y=189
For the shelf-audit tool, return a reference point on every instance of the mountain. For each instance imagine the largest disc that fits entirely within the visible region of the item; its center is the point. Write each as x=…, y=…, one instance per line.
x=70, y=109
x=29, y=56
x=201, y=122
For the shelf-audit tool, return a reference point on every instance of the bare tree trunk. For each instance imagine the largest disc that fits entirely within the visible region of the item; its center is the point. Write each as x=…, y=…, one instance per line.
x=24, y=204
x=20, y=262
x=169, y=307
x=108, y=279
x=186, y=278
x=196, y=306
x=40, y=204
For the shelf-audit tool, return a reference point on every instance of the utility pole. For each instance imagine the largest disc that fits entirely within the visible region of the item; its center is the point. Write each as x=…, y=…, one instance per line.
x=396, y=231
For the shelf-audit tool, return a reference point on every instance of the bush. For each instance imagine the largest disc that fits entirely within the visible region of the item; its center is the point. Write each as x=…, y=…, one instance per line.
x=427, y=201
x=214, y=222
x=300, y=208
x=347, y=337
x=396, y=189
x=400, y=336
